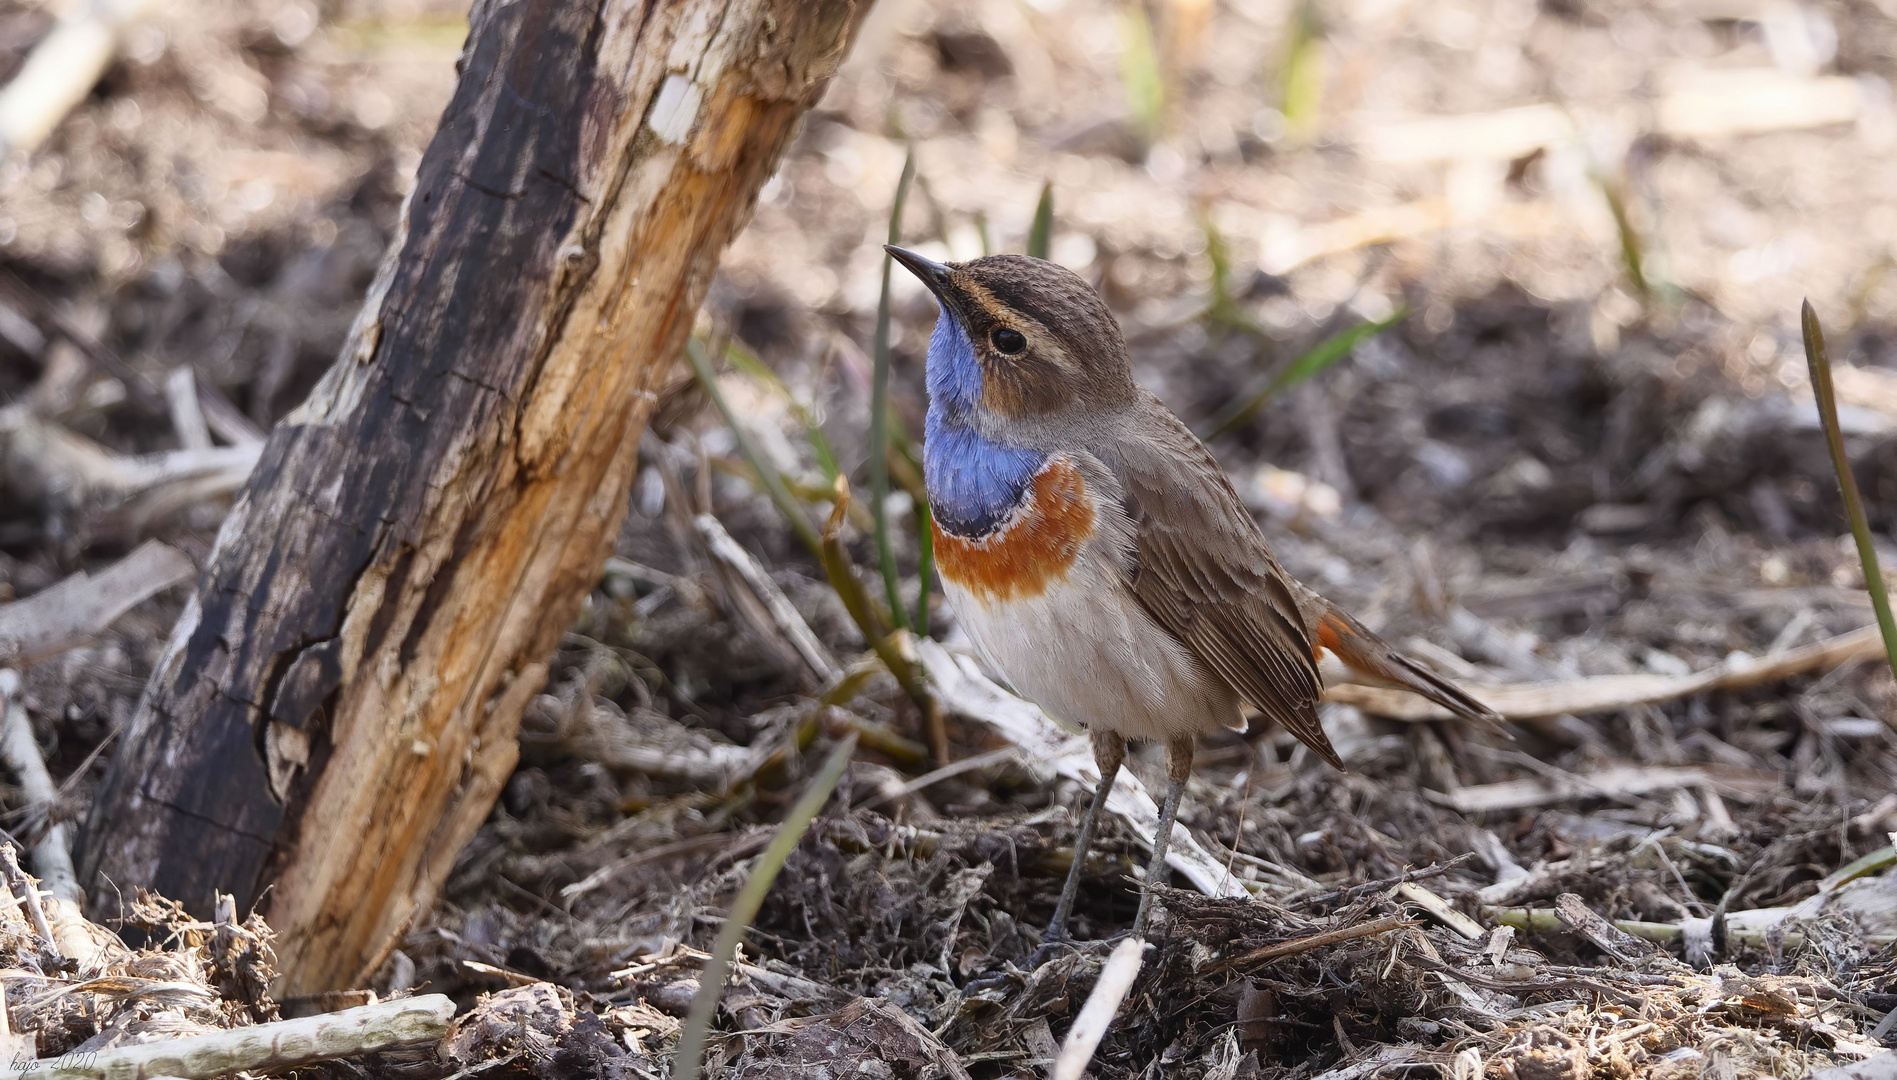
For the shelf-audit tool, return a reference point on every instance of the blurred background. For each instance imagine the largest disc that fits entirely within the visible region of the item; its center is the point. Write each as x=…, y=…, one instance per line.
x=1488, y=306
x=1596, y=220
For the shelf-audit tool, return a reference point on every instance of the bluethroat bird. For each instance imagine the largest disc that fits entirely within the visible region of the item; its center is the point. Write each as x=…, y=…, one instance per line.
x=1096, y=554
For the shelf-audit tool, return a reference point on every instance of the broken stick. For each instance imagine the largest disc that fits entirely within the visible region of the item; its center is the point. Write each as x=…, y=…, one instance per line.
x=1607, y=693
x=1116, y=978
x=282, y=1044
x=52, y=856
x=783, y=613
x=83, y=606
x=26, y=890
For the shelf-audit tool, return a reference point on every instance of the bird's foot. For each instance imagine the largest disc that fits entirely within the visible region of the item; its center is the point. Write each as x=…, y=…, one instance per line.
x=1057, y=939
x=1049, y=949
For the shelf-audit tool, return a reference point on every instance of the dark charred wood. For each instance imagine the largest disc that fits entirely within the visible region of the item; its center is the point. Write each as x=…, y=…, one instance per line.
x=337, y=707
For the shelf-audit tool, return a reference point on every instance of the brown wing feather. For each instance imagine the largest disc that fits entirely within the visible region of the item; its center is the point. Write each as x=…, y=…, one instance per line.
x=1205, y=573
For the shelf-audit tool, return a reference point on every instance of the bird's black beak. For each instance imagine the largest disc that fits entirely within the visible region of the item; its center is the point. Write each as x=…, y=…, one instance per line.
x=933, y=274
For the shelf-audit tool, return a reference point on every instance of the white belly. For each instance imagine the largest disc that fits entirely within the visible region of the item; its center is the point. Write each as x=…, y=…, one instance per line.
x=1085, y=651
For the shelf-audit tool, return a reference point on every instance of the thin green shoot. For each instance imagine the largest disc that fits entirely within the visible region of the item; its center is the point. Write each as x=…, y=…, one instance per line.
x=1220, y=257
x=1869, y=864
x=1041, y=233
x=1223, y=308
x=1633, y=256
x=744, y=909
x=1140, y=74
x=905, y=465
x=1301, y=86
x=879, y=406
x=842, y=574
x=1314, y=360
x=925, y=567
x=827, y=547
x=1820, y=363
x=768, y=475
x=982, y=233
x=744, y=360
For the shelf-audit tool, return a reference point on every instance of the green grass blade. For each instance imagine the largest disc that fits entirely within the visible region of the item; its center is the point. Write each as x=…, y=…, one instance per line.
x=774, y=485
x=879, y=406
x=856, y=601
x=1633, y=250
x=1302, y=82
x=820, y=445
x=1316, y=359
x=1222, y=307
x=925, y=568
x=744, y=909
x=842, y=574
x=827, y=546
x=1820, y=363
x=1140, y=74
x=1220, y=256
x=744, y=360
x=1041, y=233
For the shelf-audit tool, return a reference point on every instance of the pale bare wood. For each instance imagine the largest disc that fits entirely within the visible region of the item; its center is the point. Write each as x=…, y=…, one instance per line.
x=58, y=467
x=52, y=855
x=61, y=71
x=187, y=412
x=1439, y=909
x=1096, y=1016
x=84, y=605
x=1604, y=693
x=336, y=710
x=1615, y=781
x=783, y=613
x=278, y=1045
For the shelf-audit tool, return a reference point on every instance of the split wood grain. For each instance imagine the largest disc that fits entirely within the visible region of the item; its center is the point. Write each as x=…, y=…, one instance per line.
x=336, y=710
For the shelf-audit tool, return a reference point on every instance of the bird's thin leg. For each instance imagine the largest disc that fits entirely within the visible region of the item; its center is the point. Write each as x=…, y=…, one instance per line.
x=1109, y=750
x=1178, y=768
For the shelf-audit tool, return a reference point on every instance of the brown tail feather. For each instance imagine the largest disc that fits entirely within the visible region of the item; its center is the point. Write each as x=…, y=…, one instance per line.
x=1359, y=649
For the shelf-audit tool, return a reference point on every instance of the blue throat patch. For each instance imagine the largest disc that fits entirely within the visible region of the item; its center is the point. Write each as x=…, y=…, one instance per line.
x=974, y=483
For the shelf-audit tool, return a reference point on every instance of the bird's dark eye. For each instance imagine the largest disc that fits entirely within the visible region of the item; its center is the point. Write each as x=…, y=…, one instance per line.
x=1008, y=341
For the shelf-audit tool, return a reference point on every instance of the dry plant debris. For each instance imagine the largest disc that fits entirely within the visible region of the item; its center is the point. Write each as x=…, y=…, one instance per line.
x=1580, y=473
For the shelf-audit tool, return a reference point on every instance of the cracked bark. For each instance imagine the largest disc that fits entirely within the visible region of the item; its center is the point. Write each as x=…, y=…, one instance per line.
x=336, y=710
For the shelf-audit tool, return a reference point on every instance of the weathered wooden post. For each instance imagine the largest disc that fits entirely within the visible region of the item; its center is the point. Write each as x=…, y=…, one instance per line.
x=336, y=710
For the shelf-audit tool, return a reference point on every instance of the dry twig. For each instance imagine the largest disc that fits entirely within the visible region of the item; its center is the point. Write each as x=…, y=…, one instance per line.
x=1116, y=978
x=1317, y=941
x=83, y=605
x=52, y=856
x=61, y=71
x=26, y=890
x=1613, y=782
x=1607, y=937
x=783, y=612
x=280, y=1045
x=1607, y=693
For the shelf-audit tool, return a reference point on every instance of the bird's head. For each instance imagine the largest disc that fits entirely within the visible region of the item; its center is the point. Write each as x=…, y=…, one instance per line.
x=1019, y=342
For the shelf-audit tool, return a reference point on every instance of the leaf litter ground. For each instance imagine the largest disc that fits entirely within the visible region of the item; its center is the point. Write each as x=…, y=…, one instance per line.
x=1540, y=475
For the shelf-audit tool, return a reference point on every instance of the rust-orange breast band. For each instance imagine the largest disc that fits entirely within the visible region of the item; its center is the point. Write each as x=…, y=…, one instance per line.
x=1033, y=549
